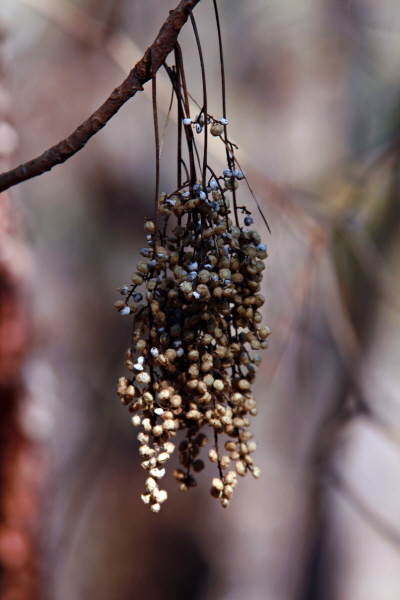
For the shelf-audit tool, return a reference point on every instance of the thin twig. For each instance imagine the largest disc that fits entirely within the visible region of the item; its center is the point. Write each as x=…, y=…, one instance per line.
x=157, y=141
x=221, y=59
x=178, y=87
x=167, y=122
x=254, y=198
x=205, y=113
x=140, y=74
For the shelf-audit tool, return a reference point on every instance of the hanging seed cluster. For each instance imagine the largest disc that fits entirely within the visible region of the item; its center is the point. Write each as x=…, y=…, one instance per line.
x=195, y=300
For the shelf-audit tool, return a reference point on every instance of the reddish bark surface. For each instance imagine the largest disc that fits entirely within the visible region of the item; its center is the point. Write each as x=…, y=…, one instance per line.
x=18, y=498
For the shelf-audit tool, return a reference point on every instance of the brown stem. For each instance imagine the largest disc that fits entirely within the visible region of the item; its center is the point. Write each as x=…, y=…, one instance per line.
x=157, y=141
x=205, y=109
x=140, y=74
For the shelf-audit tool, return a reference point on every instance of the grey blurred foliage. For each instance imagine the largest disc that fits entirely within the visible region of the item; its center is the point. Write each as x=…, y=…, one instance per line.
x=314, y=105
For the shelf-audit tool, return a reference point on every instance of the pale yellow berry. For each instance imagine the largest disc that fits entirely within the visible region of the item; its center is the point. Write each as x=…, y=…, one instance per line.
x=213, y=455
x=240, y=468
x=224, y=462
x=163, y=457
x=218, y=385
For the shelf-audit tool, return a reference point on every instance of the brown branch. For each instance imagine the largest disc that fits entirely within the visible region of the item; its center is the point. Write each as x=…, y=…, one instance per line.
x=140, y=74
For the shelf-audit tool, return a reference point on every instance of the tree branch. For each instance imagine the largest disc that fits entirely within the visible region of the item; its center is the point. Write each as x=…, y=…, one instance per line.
x=140, y=74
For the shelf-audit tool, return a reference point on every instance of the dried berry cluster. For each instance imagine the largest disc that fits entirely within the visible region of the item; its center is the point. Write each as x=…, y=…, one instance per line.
x=196, y=324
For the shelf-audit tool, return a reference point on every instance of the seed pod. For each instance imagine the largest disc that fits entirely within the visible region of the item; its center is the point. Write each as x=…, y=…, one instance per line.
x=198, y=465
x=157, y=430
x=186, y=286
x=170, y=354
x=217, y=484
x=202, y=387
x=149, y=227
x=143, y=377
x=264, y=332
x=208, y=380
x=163, y=457
x=224, y=462
x=213, y=455
x=243, y=385
x=259, y=300
x=122, y=385
x=240, y=468
x=142, y=267
x=225, y=274
x=217, y=129
x=151, y=284
x=204, y=276
x=137, y=279
x=176, y=401
x=219, y=385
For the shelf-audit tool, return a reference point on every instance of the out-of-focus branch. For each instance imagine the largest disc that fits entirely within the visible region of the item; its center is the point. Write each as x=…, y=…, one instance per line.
x=139, y=75
x=379, y=524
x=71, y=19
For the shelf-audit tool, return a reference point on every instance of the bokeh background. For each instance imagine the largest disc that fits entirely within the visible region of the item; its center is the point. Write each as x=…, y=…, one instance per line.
x=314, y=103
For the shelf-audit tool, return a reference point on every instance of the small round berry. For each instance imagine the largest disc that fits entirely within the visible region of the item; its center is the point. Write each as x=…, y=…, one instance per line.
x=149, y=227
x=213, y=455
x=217, y=129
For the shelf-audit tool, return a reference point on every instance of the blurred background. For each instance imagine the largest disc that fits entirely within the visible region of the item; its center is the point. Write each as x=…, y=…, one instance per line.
x=314, y=105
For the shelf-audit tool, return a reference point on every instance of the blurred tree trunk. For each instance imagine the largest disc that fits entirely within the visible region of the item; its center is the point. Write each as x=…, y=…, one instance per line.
x=18, y=497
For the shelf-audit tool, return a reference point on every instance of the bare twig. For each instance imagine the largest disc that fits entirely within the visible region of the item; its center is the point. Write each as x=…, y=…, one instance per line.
x=143, y=71
x=204, y=109
x=157, y=141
